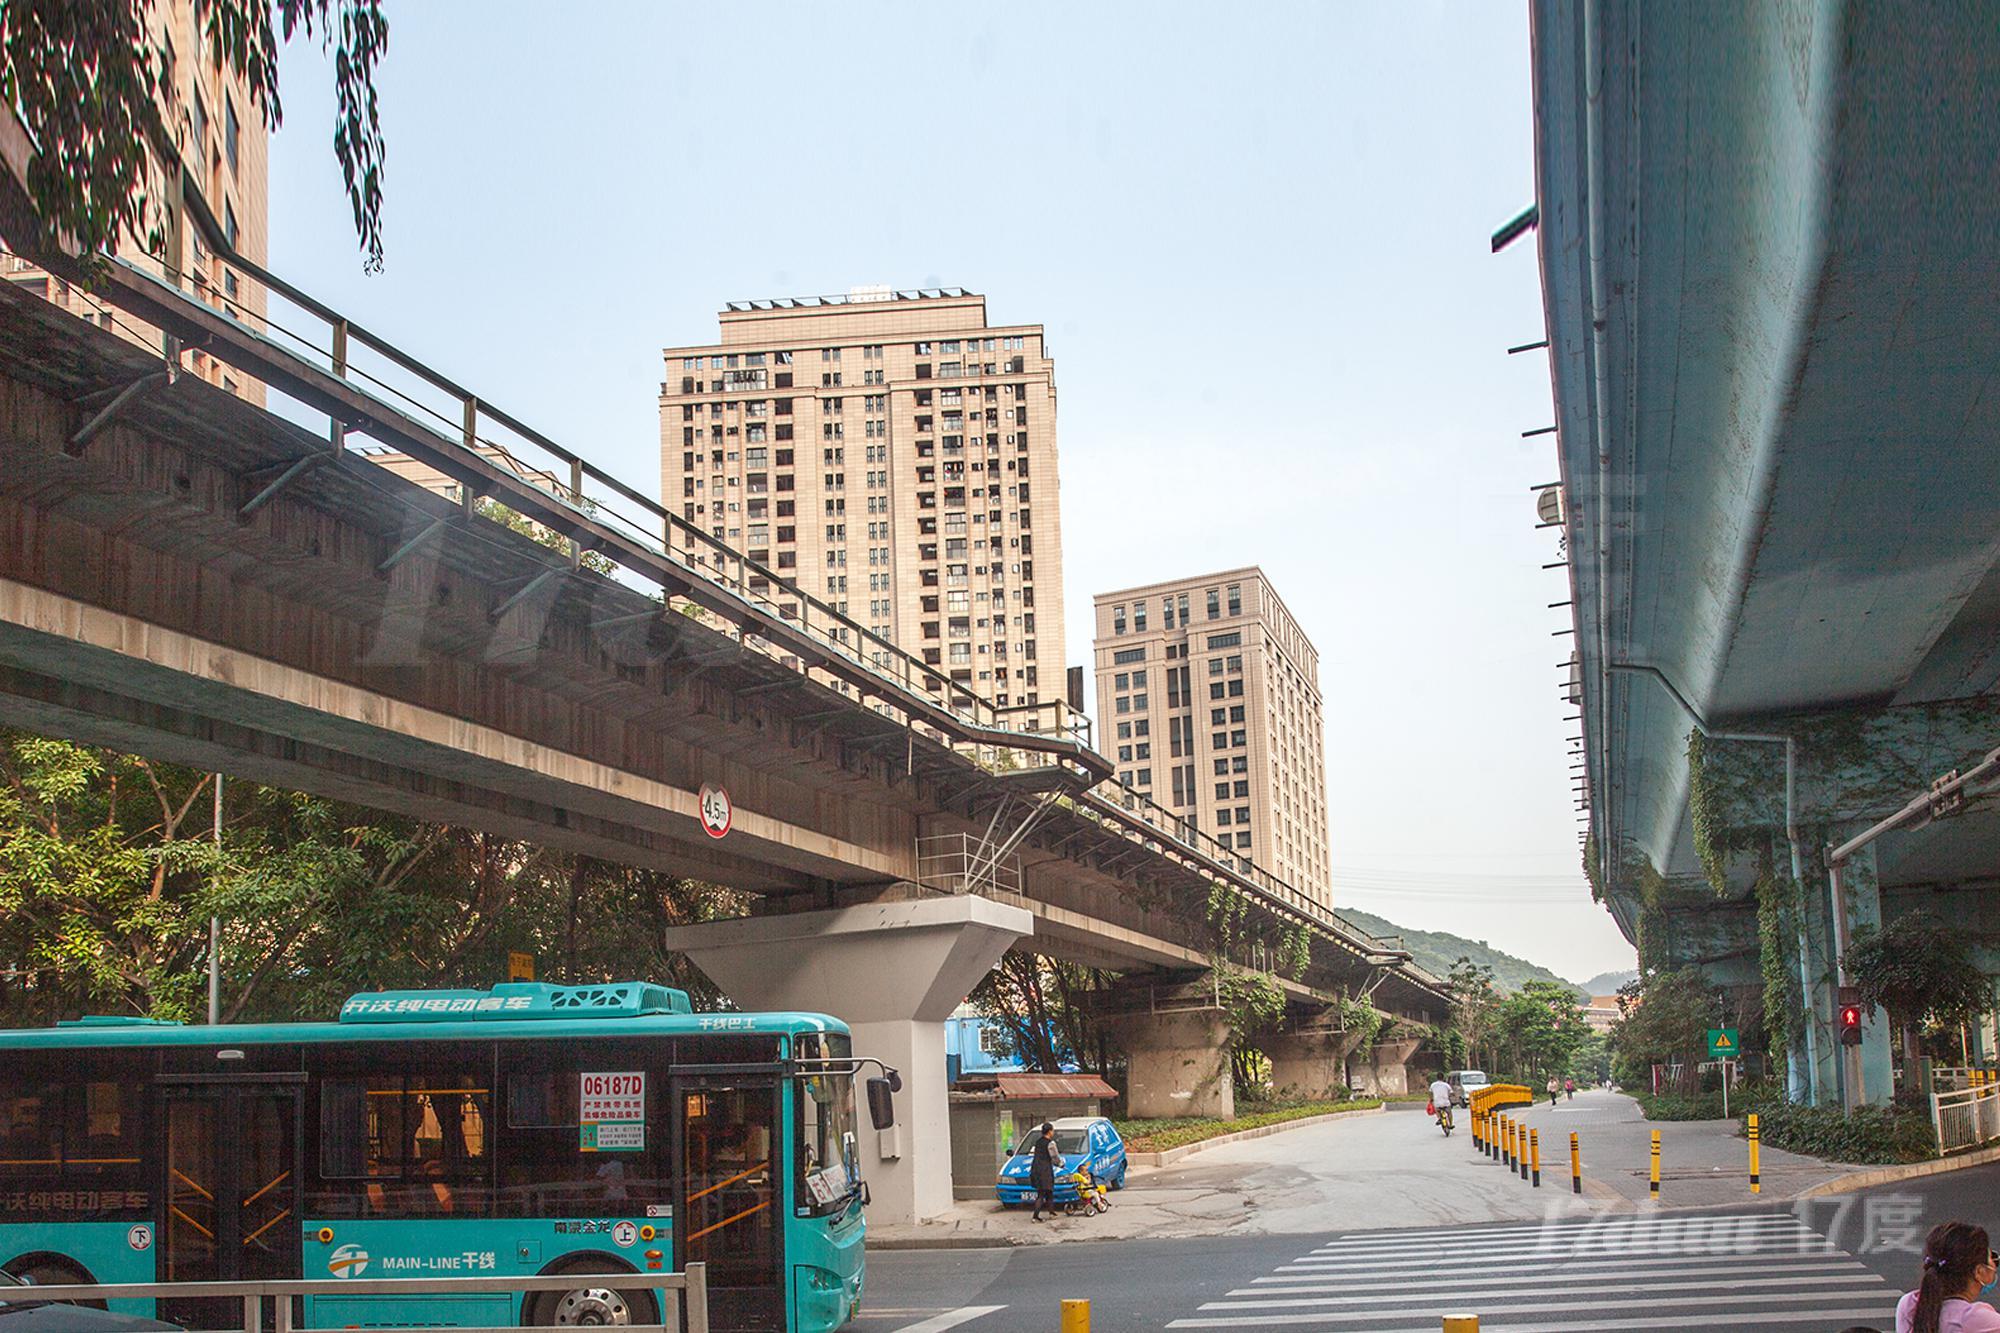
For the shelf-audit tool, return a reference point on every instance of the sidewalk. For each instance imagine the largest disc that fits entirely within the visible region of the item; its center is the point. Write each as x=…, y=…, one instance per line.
x=1394, y=1170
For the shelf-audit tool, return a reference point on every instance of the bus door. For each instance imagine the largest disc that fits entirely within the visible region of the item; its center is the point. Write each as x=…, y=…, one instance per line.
x=230, y=1192
x=728, y=1200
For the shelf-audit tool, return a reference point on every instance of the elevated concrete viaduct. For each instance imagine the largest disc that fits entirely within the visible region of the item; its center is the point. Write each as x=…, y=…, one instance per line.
x=1769, y=278
x=186, y=575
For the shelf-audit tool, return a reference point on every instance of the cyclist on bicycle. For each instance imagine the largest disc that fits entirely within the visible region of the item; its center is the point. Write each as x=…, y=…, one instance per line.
x=1441, y=1101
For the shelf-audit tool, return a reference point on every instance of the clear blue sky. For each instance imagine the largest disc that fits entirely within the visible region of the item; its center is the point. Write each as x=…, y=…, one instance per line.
x=1257, y=238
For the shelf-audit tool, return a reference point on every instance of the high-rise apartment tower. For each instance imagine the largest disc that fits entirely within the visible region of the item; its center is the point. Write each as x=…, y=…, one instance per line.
x=1208, y=698
x=222, y=139
x=892, y=454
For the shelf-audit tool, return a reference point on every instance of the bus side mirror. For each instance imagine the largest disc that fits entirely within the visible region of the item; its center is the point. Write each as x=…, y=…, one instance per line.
x=881, y=1107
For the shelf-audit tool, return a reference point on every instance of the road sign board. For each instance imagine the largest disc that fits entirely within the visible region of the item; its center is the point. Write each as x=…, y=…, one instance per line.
x=1723, y=1044
x=520, y=967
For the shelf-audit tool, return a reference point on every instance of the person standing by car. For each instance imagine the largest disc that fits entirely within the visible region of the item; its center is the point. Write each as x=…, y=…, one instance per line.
x=1043, y=1165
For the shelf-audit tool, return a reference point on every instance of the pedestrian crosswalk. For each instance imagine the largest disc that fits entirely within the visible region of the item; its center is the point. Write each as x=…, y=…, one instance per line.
x=1698, y=1271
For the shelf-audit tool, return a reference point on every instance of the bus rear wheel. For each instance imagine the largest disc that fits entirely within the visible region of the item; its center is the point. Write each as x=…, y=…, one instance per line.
x=587, y=1306
x=48, y=1270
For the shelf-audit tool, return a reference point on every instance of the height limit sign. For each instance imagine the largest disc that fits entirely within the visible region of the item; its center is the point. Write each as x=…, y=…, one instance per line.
x=611, y=1112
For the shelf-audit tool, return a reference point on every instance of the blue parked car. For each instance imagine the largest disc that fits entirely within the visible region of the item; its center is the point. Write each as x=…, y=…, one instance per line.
x=1082, y=1139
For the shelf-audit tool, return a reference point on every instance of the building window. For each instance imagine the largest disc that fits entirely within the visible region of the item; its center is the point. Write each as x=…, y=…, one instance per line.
x=1117, y=620
x=1127, y=655
x=1233, y=639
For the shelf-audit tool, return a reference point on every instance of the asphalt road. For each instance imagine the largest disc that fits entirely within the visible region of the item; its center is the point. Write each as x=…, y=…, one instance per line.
x=1814, y=1264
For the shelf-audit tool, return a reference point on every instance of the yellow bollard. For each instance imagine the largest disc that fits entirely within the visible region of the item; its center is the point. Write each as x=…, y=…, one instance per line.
x=1575, y=1166
x=1654, y=1191
x=1076, y=1317
x=1524, y=1151
x=1535, y=1152
x=1507, y=1157
x=1461, y=1323
x=1756, y=1187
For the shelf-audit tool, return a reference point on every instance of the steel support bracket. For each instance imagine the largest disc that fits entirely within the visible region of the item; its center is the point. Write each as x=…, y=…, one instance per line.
x=105, y=415
x=287, y=477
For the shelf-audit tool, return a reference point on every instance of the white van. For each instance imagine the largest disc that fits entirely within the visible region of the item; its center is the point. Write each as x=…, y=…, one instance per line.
x=1465, y=1082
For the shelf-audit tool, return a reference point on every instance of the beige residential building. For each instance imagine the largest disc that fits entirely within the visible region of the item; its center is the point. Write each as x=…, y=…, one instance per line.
x=1208, y=698
x=223, y=140
x=892, y=454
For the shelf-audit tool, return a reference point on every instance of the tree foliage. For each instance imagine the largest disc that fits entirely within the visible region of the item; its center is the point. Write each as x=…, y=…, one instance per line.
x=1473, y=1002
x=1539, y=1030
x=109, y=873
x=1918, y=968
x=1664, y=1020
x=1040, y=1007
x=89, y=82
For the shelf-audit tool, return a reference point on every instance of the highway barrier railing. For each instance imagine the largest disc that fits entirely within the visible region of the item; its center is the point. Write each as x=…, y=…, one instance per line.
x=684, y=1311
x=1966, y=1118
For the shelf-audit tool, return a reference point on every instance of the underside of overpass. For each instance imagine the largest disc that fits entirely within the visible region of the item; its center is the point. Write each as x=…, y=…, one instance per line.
x=1769, y=284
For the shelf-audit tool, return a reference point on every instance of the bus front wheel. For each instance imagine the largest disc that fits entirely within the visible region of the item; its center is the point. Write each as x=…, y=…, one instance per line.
x=587, y=1306
x=50, y=1270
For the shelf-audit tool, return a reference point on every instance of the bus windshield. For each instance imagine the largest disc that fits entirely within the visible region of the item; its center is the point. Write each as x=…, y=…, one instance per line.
x=828, y=1167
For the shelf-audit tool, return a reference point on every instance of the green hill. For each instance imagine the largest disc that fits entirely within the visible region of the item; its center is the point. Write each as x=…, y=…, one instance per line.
x=1437, y=950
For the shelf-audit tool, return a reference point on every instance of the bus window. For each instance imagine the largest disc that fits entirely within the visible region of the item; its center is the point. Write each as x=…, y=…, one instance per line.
x=70, y=1151
x=828, y=1169
x=31, y=1121
x=543, y=1169
x=413, y=1145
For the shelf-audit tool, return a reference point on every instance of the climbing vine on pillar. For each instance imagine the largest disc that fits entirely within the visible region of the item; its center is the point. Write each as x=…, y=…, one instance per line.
x=1777, y=957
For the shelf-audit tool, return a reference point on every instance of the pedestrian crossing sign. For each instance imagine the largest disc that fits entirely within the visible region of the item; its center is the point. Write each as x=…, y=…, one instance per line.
x=1723, y=1044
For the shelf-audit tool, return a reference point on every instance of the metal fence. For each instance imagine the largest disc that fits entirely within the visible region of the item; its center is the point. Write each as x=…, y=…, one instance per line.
x=1965, y=1118
x=684, y=1311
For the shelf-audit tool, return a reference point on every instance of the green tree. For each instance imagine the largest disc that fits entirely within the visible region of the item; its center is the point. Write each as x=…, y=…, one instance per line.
x=1918, y=968
x=86, y=81
x=1473, y=1001
x=1541, y=1028
x=1040, y=1008
x=1664, y=1020
x=108, y=875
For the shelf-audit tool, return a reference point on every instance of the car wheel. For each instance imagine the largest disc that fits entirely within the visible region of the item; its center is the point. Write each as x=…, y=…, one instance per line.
x=585, y=1306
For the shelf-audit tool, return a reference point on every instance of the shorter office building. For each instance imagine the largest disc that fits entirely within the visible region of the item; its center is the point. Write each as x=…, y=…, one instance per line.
x=1208, y=698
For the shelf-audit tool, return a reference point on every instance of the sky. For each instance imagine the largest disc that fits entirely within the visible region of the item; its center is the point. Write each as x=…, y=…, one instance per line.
x=1257, y=239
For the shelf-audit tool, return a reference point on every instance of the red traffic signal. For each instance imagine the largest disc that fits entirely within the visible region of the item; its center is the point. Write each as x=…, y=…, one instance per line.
x=1850, y=1025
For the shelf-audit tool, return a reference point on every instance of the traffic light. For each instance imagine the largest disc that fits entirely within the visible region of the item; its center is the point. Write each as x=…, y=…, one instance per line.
x=1850, y=1025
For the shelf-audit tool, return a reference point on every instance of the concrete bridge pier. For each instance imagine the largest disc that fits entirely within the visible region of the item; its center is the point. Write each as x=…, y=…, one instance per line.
x=1310, y=1064
x=1177, y=1064
x=1384, y=1070
x=893, y=972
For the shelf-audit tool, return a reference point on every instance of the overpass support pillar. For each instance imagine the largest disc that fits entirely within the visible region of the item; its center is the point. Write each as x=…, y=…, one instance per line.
x=1862, y=888
x=893, y=972
x=1310, y=1064
x=1384, y=1071
x=1177, y=1064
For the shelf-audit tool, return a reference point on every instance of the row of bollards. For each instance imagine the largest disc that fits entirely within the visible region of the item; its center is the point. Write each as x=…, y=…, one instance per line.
x=1519, y=1149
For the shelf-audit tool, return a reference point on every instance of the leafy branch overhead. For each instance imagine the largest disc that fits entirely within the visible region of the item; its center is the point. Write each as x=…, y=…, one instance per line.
x=93, y=83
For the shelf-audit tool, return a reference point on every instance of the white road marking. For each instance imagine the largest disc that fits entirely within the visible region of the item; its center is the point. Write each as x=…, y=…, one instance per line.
x=938, y=1323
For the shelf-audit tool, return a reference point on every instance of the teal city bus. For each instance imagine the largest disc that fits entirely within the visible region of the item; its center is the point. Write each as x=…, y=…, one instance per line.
x=525, y=1130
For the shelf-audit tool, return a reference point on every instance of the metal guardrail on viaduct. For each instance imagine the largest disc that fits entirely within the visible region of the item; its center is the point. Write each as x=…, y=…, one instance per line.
x=1027, y=771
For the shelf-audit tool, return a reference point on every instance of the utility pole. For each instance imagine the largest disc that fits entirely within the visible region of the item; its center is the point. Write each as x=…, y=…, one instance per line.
x=215, y=922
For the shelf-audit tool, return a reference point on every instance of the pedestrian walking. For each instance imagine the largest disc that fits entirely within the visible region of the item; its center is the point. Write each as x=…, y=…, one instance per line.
x=1569, y=1089
x=1554, y=1088
x=1042, y=1167
x=1959, y=1268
